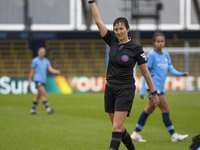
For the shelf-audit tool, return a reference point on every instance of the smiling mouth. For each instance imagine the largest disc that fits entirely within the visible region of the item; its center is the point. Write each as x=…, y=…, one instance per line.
x=160, y=47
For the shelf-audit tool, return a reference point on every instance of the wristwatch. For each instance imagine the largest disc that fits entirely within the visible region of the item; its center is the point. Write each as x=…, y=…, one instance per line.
x=154, y=93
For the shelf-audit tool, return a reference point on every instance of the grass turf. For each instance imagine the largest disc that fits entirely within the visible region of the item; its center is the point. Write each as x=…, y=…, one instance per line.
x=80, y=123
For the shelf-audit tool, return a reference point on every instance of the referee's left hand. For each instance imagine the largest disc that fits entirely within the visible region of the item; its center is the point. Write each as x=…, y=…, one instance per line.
x=155, y=100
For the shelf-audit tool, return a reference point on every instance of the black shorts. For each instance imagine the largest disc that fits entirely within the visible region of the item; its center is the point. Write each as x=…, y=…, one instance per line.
x=119, y=98
x=37, y=84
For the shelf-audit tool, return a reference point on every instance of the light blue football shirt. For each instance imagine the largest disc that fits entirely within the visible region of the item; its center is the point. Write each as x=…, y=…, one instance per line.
x=159, y=65
x=40, y=66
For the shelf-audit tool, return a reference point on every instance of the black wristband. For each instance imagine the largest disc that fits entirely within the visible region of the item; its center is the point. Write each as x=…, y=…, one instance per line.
x=154, y=93
x=90, y=2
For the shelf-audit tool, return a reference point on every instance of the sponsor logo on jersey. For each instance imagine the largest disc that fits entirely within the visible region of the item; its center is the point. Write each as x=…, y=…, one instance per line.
x=124, y=58
x=163, y=66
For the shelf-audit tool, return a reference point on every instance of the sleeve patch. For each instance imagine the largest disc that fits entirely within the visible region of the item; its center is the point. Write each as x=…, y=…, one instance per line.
x=144, y=56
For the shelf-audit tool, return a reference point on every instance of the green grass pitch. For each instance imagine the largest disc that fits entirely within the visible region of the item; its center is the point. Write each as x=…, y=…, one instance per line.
x=80, y=123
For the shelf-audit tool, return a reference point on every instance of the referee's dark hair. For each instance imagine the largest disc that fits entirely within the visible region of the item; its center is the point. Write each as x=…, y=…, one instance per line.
x=122, y=20
x=157, y=34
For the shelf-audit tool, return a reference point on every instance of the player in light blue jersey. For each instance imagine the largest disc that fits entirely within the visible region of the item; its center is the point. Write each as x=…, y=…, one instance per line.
x=159, y=64
x=40, y=65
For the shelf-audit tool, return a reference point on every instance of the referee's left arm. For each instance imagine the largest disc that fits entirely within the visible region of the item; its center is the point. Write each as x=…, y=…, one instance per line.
x=147, y=76
x=145, y=72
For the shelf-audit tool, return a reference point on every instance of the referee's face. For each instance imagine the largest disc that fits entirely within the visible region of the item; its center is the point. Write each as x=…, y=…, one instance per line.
x=121, y=32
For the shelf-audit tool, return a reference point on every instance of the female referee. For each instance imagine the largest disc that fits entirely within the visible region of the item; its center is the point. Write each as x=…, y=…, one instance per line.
x=159, y=64
x=40, y=65
x=120, y=86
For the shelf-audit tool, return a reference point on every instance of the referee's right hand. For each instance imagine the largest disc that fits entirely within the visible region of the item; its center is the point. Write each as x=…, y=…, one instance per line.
x=155, y=100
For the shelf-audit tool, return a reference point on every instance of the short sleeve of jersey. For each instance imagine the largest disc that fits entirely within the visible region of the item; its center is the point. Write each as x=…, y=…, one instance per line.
x=150, y=60
x=48, y=63
x=169, y=59
x=33, y=65
x=108, y=37
x=140, y=57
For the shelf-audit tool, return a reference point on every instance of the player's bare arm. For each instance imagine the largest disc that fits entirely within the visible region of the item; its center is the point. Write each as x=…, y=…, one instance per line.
x=54, y=71
x=30, y=76
x=97, y=18
x=186, y=74
x=145, y=73
x=142, y=96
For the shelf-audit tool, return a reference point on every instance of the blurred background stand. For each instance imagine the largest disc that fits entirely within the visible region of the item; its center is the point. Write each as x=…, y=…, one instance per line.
x=27, y=18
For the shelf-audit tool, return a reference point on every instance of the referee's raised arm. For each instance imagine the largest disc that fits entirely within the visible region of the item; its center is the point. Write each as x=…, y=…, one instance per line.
x=97, y=18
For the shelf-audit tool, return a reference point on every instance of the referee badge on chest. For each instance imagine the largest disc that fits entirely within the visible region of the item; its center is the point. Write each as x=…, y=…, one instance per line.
x=124, y=58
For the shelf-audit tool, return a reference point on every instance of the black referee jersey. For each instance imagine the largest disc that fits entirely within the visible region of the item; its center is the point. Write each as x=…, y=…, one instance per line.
x=122, y=59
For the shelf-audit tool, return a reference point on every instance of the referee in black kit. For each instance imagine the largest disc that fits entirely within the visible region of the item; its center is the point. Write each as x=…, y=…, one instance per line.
x=120, y=86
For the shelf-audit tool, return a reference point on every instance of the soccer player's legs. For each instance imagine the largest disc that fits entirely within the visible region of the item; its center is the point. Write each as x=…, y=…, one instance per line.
x=37, y=97
x=123, y=105
x=144, y=115
x=141, y=122
x=111, y=115
x=165, y=114
x=117, y=120
x=109, y=99
x=163, y=105
x=126, y=139
x=35, y=102
x=41, y=89
x=109, y=102
x=119, y=132
x=124, y=99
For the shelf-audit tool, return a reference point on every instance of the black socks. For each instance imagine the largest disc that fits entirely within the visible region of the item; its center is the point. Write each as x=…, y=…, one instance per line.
x=117, y=137
x=126, y=139
x=116, y=140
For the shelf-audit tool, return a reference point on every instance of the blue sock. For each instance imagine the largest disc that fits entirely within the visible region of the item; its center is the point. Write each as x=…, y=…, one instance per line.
x=46, y=104
x=141, y=121
x=168, y=123
x=34, y=105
